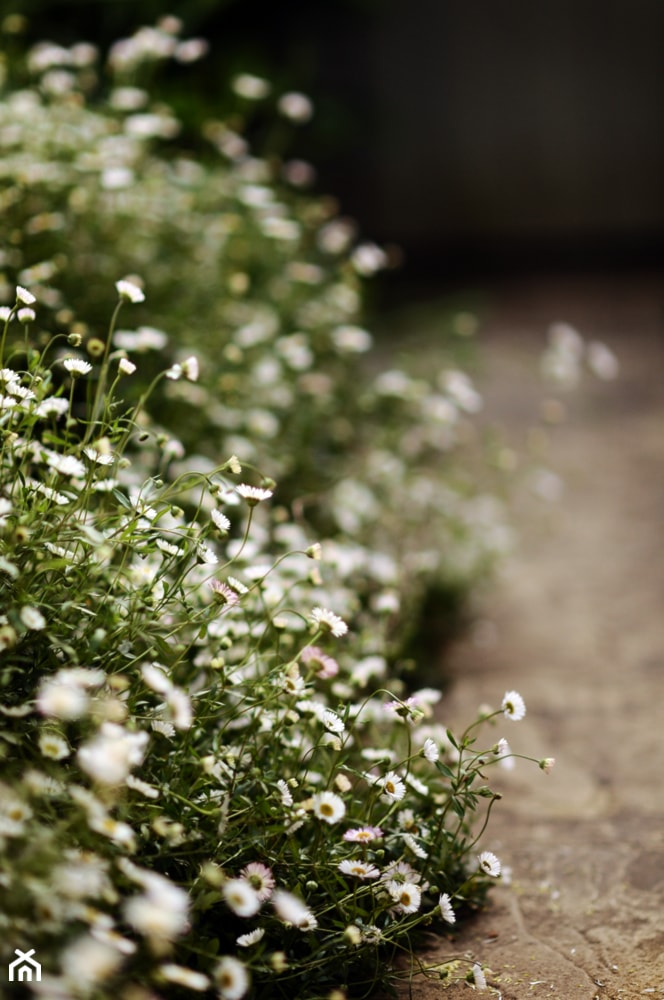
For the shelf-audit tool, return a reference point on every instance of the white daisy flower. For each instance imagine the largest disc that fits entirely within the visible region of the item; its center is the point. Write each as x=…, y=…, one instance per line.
x=25, y=297
x=53, y=746
x=295, y=106
x=392, y=786
x=479, y=977
x=129, y=291
x=251, y=87
x=253, y=494
x=430, y=750
x=221, y=522
x=292, y=910
x=241, y=898
x=329, y=807
x=61, y=699
x=489, y=864
x=547, y=764
x=358, y=869
x=156, y=678
x=253, y=937
x=126, y=367
x=187, y=368
x=149, y=791
x=77, y=366
x=52, y=406
x=110, y=755
x=413, y=845
x=32, y=618
x=223, y=594
x=285, y=792
x=161, y=913
x=332, y=722
x=231, y=978
x=417, y=785
x=166, y=729
x=513, y=706
x=260, y=878
x=184, y=977
x=327, y=621
x=407, y=896
x=446, y=909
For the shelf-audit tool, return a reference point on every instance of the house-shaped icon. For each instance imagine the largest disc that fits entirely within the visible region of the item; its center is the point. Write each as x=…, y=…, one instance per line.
x=25, y=968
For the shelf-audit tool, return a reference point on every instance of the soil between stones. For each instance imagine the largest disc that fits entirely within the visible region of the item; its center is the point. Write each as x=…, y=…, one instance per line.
x=575, y=624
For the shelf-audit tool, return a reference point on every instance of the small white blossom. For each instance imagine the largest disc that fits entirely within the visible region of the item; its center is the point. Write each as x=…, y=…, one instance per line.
x=182, y=976
x=53, y=746
x=358, y=869
x=77, y=366
x=61, y=699
x=479, y=977
x=407, y=895
x=295, y=106
x=430, y=750
x=292, y=910
x=241, y=898
x=126, y=367
x=220, y=520
x=129, y=291
x=161, y=913
x=392, y=786
x=231, y=978
x=285, y=792
x=253, y=937
x=489, y=864
x=32, y=618
x=252, y=88
x=513, y=706
x=329, y=807
x=332, y=722
x=111, y=754
x=327, y=621
x=253, y=494
x=446, y=909
x=25, y=297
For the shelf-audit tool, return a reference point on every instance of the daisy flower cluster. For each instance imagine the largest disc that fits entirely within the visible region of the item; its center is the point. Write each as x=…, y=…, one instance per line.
x=255, y=325
x=216, y=779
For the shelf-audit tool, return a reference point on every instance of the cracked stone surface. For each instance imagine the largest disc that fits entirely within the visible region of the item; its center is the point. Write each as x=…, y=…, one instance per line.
x=575, y=623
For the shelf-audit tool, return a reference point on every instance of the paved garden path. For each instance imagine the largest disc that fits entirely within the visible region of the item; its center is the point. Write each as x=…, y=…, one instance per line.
x=575, y=623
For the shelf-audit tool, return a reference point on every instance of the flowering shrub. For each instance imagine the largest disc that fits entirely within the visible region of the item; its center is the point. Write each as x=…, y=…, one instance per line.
x=206, y=786
x=261, y=282
x=212, y=781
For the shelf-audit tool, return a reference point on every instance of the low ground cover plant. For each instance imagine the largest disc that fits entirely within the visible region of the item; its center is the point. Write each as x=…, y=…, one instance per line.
x=214, y=531
x=207, y=786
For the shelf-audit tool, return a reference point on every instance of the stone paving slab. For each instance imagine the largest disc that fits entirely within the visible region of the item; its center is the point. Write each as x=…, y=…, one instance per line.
x=576, y=625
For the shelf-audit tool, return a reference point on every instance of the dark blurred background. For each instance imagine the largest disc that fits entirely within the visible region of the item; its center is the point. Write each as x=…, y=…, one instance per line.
x=481, y=136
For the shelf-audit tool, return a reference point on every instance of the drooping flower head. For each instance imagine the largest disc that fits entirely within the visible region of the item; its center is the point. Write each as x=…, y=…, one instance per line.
x=327, y=621
x=446, y=909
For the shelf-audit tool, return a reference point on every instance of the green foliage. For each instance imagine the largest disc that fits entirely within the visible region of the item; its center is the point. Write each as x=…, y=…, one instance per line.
x=210, y=782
